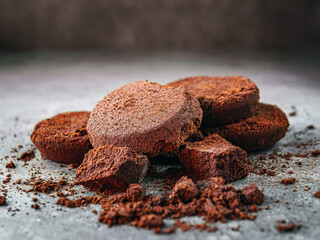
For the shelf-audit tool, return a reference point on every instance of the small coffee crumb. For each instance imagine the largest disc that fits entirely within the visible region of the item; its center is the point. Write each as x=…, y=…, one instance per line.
x=35, y=206
x=3, y=201
x=271, y=173
x=10, y=165
x=286, y=228
x=288, y=181
x=317, y=194
x=26, y=156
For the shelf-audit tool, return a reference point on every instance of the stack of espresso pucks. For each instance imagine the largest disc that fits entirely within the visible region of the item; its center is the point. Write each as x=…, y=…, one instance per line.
x=232, y=114
x=143, y=120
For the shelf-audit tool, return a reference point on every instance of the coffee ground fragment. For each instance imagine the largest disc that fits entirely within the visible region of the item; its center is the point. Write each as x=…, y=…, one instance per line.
x=286, y=228
x=317, y=194
x=10, y=165
x=26, y=156
x=3, y=201
x=288, y=181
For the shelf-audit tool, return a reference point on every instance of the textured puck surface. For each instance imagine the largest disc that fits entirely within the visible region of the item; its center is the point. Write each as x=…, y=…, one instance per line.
x=214, y=157
x=263, y=130
x=150, y=118
x=63, y=138
x=112, y=167
x=223, y=99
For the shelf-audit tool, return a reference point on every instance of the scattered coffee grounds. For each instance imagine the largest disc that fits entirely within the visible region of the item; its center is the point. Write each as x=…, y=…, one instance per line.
x=262, y=130
x=3, y=201
x=252, y=194
x=27, y=156
x=214, y=157
x=147, y=117
x=83, y=201
x=47, y=186
x=184, y=190
x=10, y=165
x=317, y=194
x=223, y=99
x=286, y=228
x=7, y=179
x=63, y=138
x=111, y=167
x=288, y=181
x=216, y=203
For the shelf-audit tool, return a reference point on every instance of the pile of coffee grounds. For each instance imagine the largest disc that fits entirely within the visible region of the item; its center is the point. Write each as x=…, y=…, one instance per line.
x=210, y=198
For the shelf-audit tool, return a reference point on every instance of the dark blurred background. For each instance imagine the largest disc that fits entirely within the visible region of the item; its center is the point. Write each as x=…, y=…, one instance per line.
x=158, y=24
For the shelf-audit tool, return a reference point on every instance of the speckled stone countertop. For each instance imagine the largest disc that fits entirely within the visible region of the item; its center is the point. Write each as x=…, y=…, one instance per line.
x=34, y=86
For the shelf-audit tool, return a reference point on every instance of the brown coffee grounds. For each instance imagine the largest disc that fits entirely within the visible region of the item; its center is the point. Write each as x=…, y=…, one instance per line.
x=252, y=194
x=3, y=201
x=10, y=165
x=26, y=156
x=150, y=221
x=216, y=203
x=315, y=153
x=48, y=186
x=35, y=206
x=8, y=178
x=83, y=201
x=184, y=190
x=288, y=181
x=271, y=173
x=317, y=194
x=253, y=208
x=136, y=192
x=311, y=127
x=286, y=228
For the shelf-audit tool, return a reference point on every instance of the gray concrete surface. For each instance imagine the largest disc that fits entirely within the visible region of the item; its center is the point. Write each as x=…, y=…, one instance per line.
x=37, y=86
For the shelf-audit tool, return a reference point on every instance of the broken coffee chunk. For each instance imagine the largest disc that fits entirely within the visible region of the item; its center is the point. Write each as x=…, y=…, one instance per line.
x=63, y=138
x=214, y=157
x=263, y=129
x=136, y=192
x=252, y=194
x=184, y=190
x=112, y=167
x=149, y=118
x=223, y=99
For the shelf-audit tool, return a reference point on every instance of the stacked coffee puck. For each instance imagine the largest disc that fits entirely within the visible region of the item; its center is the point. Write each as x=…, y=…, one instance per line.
x=209, y=123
